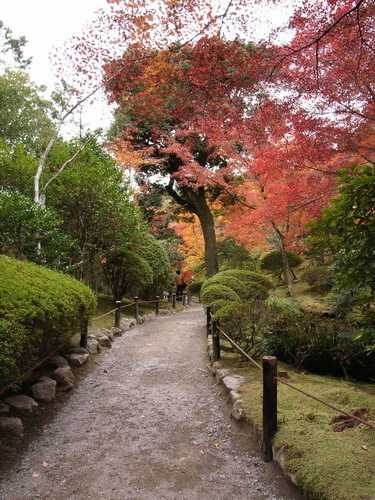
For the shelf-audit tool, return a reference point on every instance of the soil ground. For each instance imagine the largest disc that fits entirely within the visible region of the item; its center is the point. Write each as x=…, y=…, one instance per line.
x=146, y=421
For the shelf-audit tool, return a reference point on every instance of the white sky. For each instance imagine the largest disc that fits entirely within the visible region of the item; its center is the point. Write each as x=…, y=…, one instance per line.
x=47, y=24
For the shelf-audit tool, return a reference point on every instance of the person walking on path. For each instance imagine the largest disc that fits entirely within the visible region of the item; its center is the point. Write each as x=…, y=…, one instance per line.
x=180, y=284
x=145, y=423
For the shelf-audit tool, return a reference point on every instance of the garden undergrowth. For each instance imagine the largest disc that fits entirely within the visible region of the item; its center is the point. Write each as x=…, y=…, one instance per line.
x=327, y=465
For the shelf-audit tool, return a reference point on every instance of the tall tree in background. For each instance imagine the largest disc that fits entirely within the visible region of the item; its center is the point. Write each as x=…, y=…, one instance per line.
x=180, y=108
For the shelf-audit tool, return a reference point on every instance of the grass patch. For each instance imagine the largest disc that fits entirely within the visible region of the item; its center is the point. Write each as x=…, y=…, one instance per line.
x=328, y=465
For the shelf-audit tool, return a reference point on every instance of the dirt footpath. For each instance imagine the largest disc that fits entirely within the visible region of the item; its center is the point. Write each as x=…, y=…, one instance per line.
x=146, y=422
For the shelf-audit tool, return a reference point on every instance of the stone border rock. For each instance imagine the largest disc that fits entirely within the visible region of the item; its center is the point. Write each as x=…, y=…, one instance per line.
x=231, y=384
x=60, y=376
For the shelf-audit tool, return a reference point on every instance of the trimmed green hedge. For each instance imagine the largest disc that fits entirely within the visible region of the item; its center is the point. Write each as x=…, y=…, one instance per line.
x=216, y=292
x=246, y=277
x=40, y=310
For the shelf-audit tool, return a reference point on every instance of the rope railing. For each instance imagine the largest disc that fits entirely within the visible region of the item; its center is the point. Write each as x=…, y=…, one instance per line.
x=270, y=380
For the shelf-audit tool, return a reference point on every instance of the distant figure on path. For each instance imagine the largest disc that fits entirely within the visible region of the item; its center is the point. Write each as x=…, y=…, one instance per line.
x=180, y=285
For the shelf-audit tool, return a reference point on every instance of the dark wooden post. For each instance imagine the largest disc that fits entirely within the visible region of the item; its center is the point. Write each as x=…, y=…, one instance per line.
x=136, y=309
x=208, y=319
x=188, y=298
x=215, y=342
x=174, y=301
x=157, y=305
x=84, y=333
x=183, y=298
x=269, y=405
x=118, y=313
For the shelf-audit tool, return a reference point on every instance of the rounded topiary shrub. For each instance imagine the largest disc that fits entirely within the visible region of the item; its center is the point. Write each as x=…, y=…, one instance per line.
x=235, y=284
x=40, y=310
x=247, y=277
x=273, y=262
x=216, y=305
x=319, y=277
x=217, y=292
x=195, y=286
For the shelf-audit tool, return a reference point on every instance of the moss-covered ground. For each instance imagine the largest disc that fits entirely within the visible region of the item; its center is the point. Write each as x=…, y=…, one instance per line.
x=327, y=465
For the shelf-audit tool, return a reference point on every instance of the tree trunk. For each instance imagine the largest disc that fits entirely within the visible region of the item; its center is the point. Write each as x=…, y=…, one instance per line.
x=197, y=198
x=286, y=268
x=194, y=201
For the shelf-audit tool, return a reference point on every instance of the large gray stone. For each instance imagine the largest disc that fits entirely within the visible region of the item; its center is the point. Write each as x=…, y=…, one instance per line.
x=12, y=425
x=58, y=361
x=64, y=377
x=44, y=390
x=93, y=346
x=104, y=340
x=4, y=408
x=21, y=402
x=77, y=359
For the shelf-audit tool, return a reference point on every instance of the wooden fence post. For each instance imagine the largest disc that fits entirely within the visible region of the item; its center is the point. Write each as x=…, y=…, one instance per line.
x=118, y=313
x=269, y=405
x=215, y=342
x=183, y=298
x=174, y=301
x=188, y=298
x=208, y=319
x=136, y=309
x=84, y=333
x=157, y=305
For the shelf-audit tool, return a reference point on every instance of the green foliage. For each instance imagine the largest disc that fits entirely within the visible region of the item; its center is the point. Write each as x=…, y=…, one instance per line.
x=216, y=291
x=15, y=46
x=24, y=225
x=39, y=310
x=321, y=345
x=23, y=111
x=195, y=286
x=348, y=230
x=153, y=252
x=234, y=256
x=126, y=272
x=273, y=262
x=319, y=277
x=17, y=168
x=245, y=322
x=235, y=284
x=247, y=277
x=94, y=204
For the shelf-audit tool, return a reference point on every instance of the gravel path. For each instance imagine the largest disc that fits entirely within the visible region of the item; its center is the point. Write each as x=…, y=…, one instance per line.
x=146, y=422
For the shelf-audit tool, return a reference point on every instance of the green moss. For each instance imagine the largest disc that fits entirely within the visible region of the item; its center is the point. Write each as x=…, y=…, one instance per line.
x=328, y=465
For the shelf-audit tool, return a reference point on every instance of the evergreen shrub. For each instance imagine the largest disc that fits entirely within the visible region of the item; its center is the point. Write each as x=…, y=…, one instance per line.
x=216, y=292
x=40, y=310
x=247, y=277
x=273, y=262
x=319, y=277
x=195, y=286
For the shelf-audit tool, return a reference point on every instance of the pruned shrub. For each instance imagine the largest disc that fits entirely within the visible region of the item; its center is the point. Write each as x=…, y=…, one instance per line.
x=273, y=262
x=247, y=277
x=245, y=322
x=40, y=310
x=319, y=277
x=216, y=292
x=195, y=286
x=233, y=283
x=218, y=304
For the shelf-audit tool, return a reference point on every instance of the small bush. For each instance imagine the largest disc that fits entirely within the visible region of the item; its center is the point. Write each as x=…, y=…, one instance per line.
x=247, y=277
x=195, y=286
x=40, y=310
x=233, y=283
x=319, y=277
x=216, y=292
x=245, y=322
x=273, y=262
x=216, y=305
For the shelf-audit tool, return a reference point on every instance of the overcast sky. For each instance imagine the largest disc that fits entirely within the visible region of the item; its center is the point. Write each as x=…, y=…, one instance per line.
x=47, y=24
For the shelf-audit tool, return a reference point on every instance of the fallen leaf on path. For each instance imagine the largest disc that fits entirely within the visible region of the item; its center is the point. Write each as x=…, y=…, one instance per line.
x=183, y=471
x=45, y=464
x=36, y=474
x=216, y=445
x=364, y=447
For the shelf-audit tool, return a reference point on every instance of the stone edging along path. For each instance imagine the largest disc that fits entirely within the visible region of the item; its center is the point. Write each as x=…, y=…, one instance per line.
x=60, y=375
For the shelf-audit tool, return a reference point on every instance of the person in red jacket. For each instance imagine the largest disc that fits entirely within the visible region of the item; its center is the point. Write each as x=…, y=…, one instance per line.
x=180, y=285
